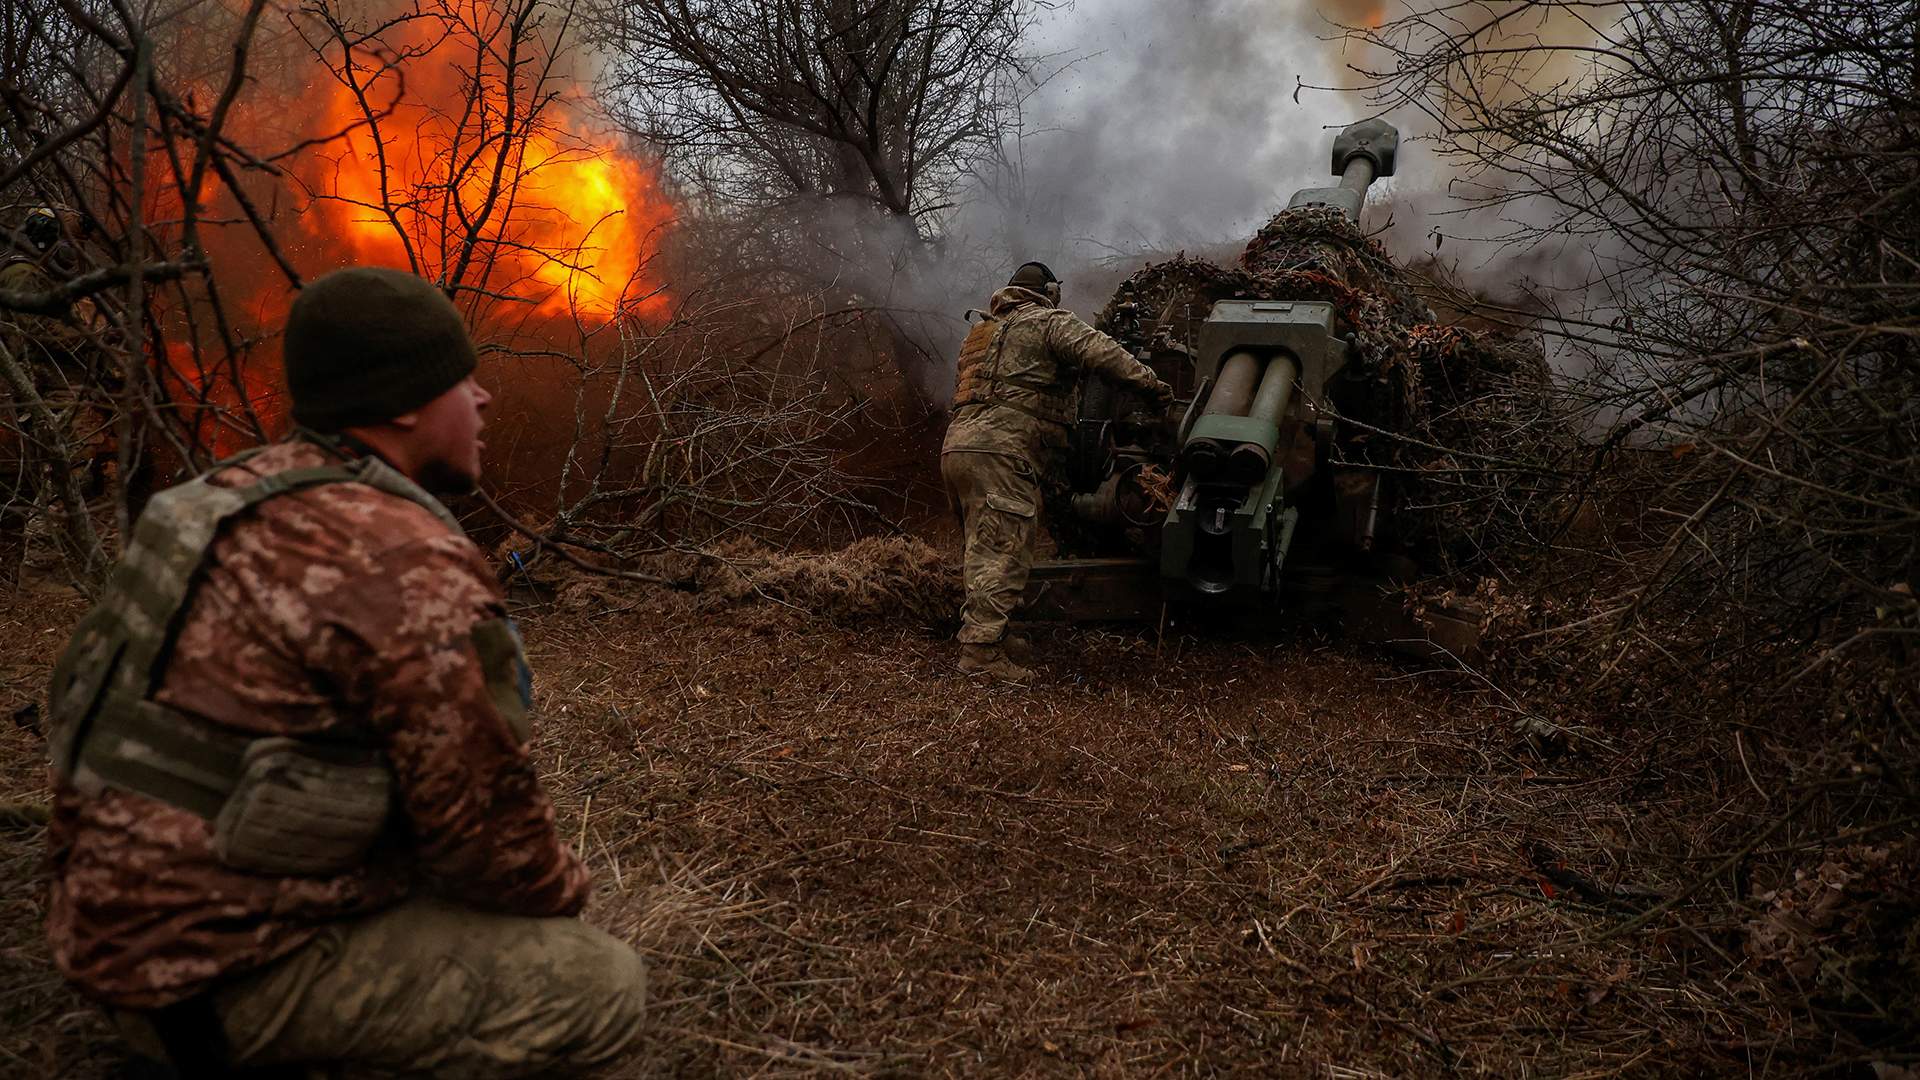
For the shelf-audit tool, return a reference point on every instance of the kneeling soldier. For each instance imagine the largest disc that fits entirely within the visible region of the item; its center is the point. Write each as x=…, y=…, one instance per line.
x=295, y=818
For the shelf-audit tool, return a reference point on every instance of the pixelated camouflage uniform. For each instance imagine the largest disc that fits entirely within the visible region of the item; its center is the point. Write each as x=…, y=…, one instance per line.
x=343, y=612
x=1006, y=444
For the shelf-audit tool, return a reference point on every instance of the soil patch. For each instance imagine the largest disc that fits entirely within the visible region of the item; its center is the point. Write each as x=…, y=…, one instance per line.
x=1175, y=855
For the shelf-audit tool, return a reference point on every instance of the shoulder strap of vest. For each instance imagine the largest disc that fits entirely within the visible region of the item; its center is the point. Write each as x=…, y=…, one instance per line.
x=369, y=469
x=995, y=379
x=164, y=561
x=997, y=348
x=121, y=646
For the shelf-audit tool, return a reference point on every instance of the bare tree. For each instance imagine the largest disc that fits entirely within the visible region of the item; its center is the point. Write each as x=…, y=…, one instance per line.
x=700, y=436
x=448, y=138
x=101, y=124
x=763, y=102
x=461, y=157
x=695, y=416
x=1739, y=175
x=840, y=132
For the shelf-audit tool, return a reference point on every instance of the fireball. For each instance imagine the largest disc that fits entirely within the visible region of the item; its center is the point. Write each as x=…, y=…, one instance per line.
x=494, y=182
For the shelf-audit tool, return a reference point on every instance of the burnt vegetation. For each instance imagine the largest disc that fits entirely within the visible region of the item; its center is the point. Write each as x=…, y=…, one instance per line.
x=1663, y=823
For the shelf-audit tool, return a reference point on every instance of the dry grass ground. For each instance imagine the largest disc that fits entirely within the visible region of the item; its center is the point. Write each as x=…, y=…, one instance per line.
x=1177, y=857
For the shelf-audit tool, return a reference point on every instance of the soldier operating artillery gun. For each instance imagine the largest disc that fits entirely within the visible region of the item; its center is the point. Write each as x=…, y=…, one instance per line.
x=1268, y=494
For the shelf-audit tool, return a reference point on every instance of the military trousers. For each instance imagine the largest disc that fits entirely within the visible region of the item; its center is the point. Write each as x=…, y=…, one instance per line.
x=428, y=988
x=998, y=499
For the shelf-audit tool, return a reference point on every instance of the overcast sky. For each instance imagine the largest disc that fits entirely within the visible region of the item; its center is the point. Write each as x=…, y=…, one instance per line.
x=1178, y=124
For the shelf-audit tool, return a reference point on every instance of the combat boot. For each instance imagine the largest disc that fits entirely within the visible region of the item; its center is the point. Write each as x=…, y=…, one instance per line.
x=992, y=660
x=1019, y=648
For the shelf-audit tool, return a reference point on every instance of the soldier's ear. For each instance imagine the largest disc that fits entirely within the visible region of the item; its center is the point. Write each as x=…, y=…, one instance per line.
x=406, y=421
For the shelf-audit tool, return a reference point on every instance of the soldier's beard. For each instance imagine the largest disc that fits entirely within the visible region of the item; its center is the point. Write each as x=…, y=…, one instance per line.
x=445, y=478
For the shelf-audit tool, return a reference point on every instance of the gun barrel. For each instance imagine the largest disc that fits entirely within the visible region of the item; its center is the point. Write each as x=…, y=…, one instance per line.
x=1358, y=173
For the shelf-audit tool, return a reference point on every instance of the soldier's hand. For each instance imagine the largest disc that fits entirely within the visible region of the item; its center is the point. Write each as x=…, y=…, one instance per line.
x=1162, y=395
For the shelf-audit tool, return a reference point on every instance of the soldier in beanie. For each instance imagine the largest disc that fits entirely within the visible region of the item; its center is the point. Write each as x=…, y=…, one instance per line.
x=1006, y=444
x=296, y=823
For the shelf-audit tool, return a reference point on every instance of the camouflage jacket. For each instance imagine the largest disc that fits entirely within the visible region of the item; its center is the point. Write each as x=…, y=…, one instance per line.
x=28, y=337
x=1042, y=345
x=332, y=602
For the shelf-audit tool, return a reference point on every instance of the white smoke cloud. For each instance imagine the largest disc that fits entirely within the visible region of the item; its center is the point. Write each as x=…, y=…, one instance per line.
x=1186, y=124
x=1176, y=125
x=1173, y=126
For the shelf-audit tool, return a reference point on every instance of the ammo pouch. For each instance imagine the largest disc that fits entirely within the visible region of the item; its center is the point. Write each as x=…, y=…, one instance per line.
x=275, y=805
x=294, y=806
x=299, y=808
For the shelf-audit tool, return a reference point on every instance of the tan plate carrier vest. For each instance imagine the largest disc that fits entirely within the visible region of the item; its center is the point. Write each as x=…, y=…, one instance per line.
x=276, y=805
x=979, y=377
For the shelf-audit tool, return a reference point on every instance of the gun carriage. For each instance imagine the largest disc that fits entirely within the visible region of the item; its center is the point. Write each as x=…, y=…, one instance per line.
x=1261, y=497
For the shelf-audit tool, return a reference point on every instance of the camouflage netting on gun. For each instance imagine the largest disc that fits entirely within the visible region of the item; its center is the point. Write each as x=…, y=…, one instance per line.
x=1465, y=420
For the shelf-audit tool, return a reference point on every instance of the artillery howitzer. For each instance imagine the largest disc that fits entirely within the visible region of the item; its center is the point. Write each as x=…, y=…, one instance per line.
x=1270, y=493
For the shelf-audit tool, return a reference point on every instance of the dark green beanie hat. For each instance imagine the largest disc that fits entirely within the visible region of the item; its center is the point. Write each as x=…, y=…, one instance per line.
x=366, y=344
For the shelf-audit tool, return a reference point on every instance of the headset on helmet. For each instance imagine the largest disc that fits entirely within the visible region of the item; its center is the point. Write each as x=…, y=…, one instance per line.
x=1033, y=275
x=1038, y=277
x=41, y=227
